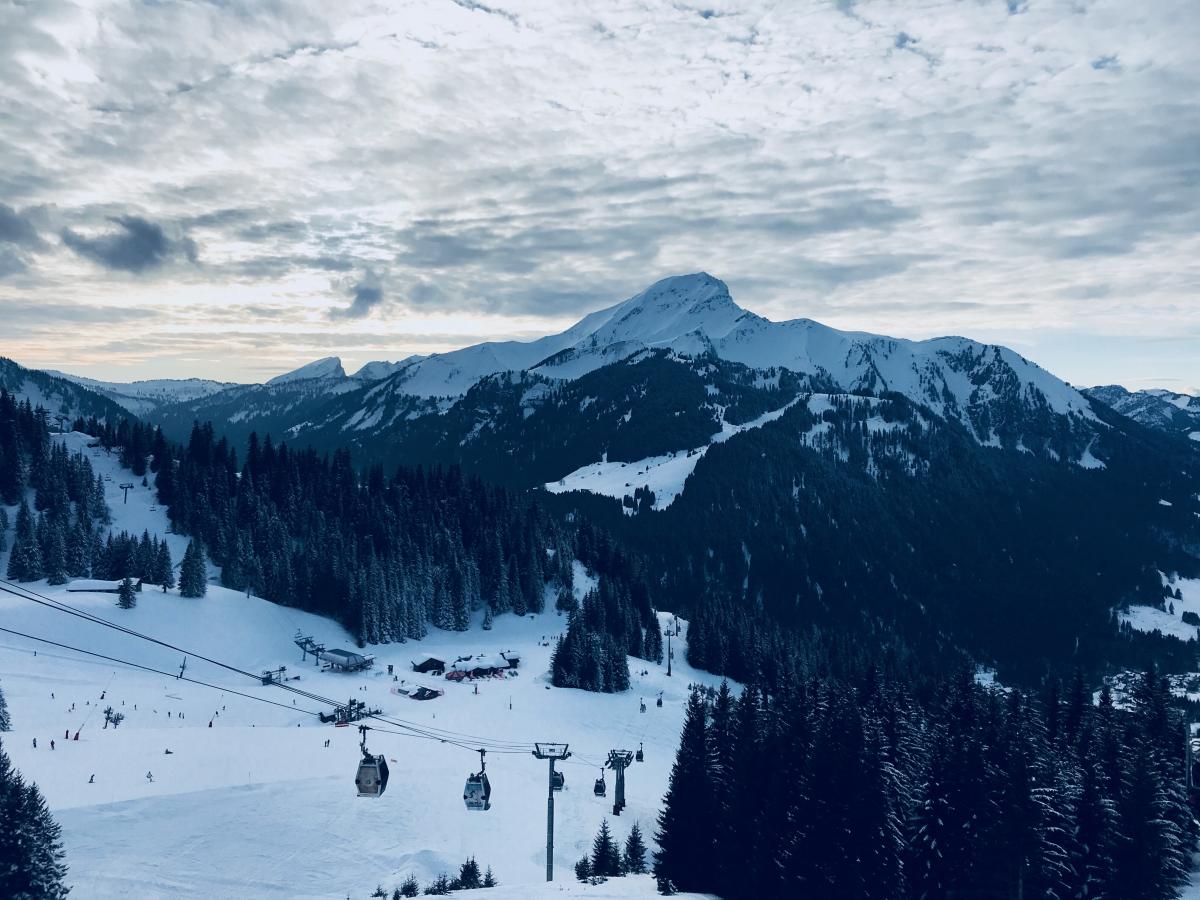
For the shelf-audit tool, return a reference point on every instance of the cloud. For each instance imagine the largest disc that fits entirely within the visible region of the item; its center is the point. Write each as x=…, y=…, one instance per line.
x=138, y=245
x=16, y=228
x=365, y=295
x=958, y=166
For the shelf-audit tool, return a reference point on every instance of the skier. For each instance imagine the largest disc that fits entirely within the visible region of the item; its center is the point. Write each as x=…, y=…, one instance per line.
x=150, y=777
x=35, y=743
x=92, y=780
x=51, y=743
x=102, y=693
x=210, y=723
x=67, y=735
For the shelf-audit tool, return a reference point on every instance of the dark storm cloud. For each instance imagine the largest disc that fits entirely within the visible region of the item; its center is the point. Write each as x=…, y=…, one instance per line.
x=137, y=245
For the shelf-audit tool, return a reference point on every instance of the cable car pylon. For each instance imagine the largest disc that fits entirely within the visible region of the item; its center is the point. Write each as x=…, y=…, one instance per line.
x=619, y=761
x=551, y=752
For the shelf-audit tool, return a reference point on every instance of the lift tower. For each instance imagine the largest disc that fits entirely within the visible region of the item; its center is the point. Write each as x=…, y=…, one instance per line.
x=552, y=752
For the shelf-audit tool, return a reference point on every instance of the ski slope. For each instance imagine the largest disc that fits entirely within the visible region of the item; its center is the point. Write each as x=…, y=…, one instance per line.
x=256, y=805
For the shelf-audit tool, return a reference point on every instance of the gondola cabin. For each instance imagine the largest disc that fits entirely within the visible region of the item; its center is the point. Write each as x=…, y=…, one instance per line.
x=477, y=793
x=372, y=777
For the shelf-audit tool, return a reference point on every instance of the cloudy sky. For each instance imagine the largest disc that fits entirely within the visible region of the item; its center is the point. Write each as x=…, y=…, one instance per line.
x=231, y=188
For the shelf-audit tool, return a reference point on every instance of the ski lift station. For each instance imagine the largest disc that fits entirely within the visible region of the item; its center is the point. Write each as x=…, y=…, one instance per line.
x=345, y=660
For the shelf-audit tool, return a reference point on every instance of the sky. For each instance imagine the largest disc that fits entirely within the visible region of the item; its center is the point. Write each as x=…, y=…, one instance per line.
x=229, y=189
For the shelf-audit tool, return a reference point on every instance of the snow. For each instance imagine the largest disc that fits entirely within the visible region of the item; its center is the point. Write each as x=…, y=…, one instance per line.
x=665, y=475
x=690, y=314
x=329, y=367
x=256, y=806
x=1165, y=503
x=140, y=397
x=1088, y=461
x=1149, y=618
x=1195, y=435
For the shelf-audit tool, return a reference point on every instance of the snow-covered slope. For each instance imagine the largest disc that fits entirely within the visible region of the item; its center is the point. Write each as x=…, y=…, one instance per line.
x=328, y=368
x=1155, y=408
x=694, y=314
x=140, y=397
x=256, y=805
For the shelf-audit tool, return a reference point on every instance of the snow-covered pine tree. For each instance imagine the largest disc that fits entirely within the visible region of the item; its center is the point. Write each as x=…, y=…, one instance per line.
x=193, y=574
x=126, y=595
x=25, y=561
x=31, y=853
x=5, y=719
x=164, y=569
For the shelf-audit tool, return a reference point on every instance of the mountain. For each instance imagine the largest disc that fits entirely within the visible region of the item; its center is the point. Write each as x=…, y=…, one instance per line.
x=1154, y=408
x=695, y=315
x=142, y=397
x=327, y=369
x=58, y=395
x=1001, y=398
x=790, y=470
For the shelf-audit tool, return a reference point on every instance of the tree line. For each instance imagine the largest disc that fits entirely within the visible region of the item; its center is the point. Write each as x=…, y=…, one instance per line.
x=857, y=788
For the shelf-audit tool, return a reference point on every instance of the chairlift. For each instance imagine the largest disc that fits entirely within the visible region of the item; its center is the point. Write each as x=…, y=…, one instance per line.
x=640, y=756
x=372, y=777
x=477, y=792
x=601, y=788
x=559, y=781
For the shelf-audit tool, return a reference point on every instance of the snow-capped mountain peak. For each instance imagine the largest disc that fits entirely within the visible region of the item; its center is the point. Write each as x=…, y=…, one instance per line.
x=329, y=367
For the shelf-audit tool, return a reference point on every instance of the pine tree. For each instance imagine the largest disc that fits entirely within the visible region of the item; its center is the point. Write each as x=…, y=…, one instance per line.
x=685, y=854
x=606, y=855
x=635, y=851
x=126, y=595
x=5, y=719
x=489, y=880
x=31, y=854
x=25, y=561
x=193, y=575
x=583, y=868
x=55, y=550
x=468, y=876
x=410, y=887
x=164, y=569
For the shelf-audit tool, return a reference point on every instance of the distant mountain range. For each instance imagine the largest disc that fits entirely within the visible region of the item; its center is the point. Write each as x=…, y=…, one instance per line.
x=1156, y=408
x=815, y=475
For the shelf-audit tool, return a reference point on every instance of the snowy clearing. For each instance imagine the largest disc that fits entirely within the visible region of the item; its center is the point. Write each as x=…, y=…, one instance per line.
x=1149, y=618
